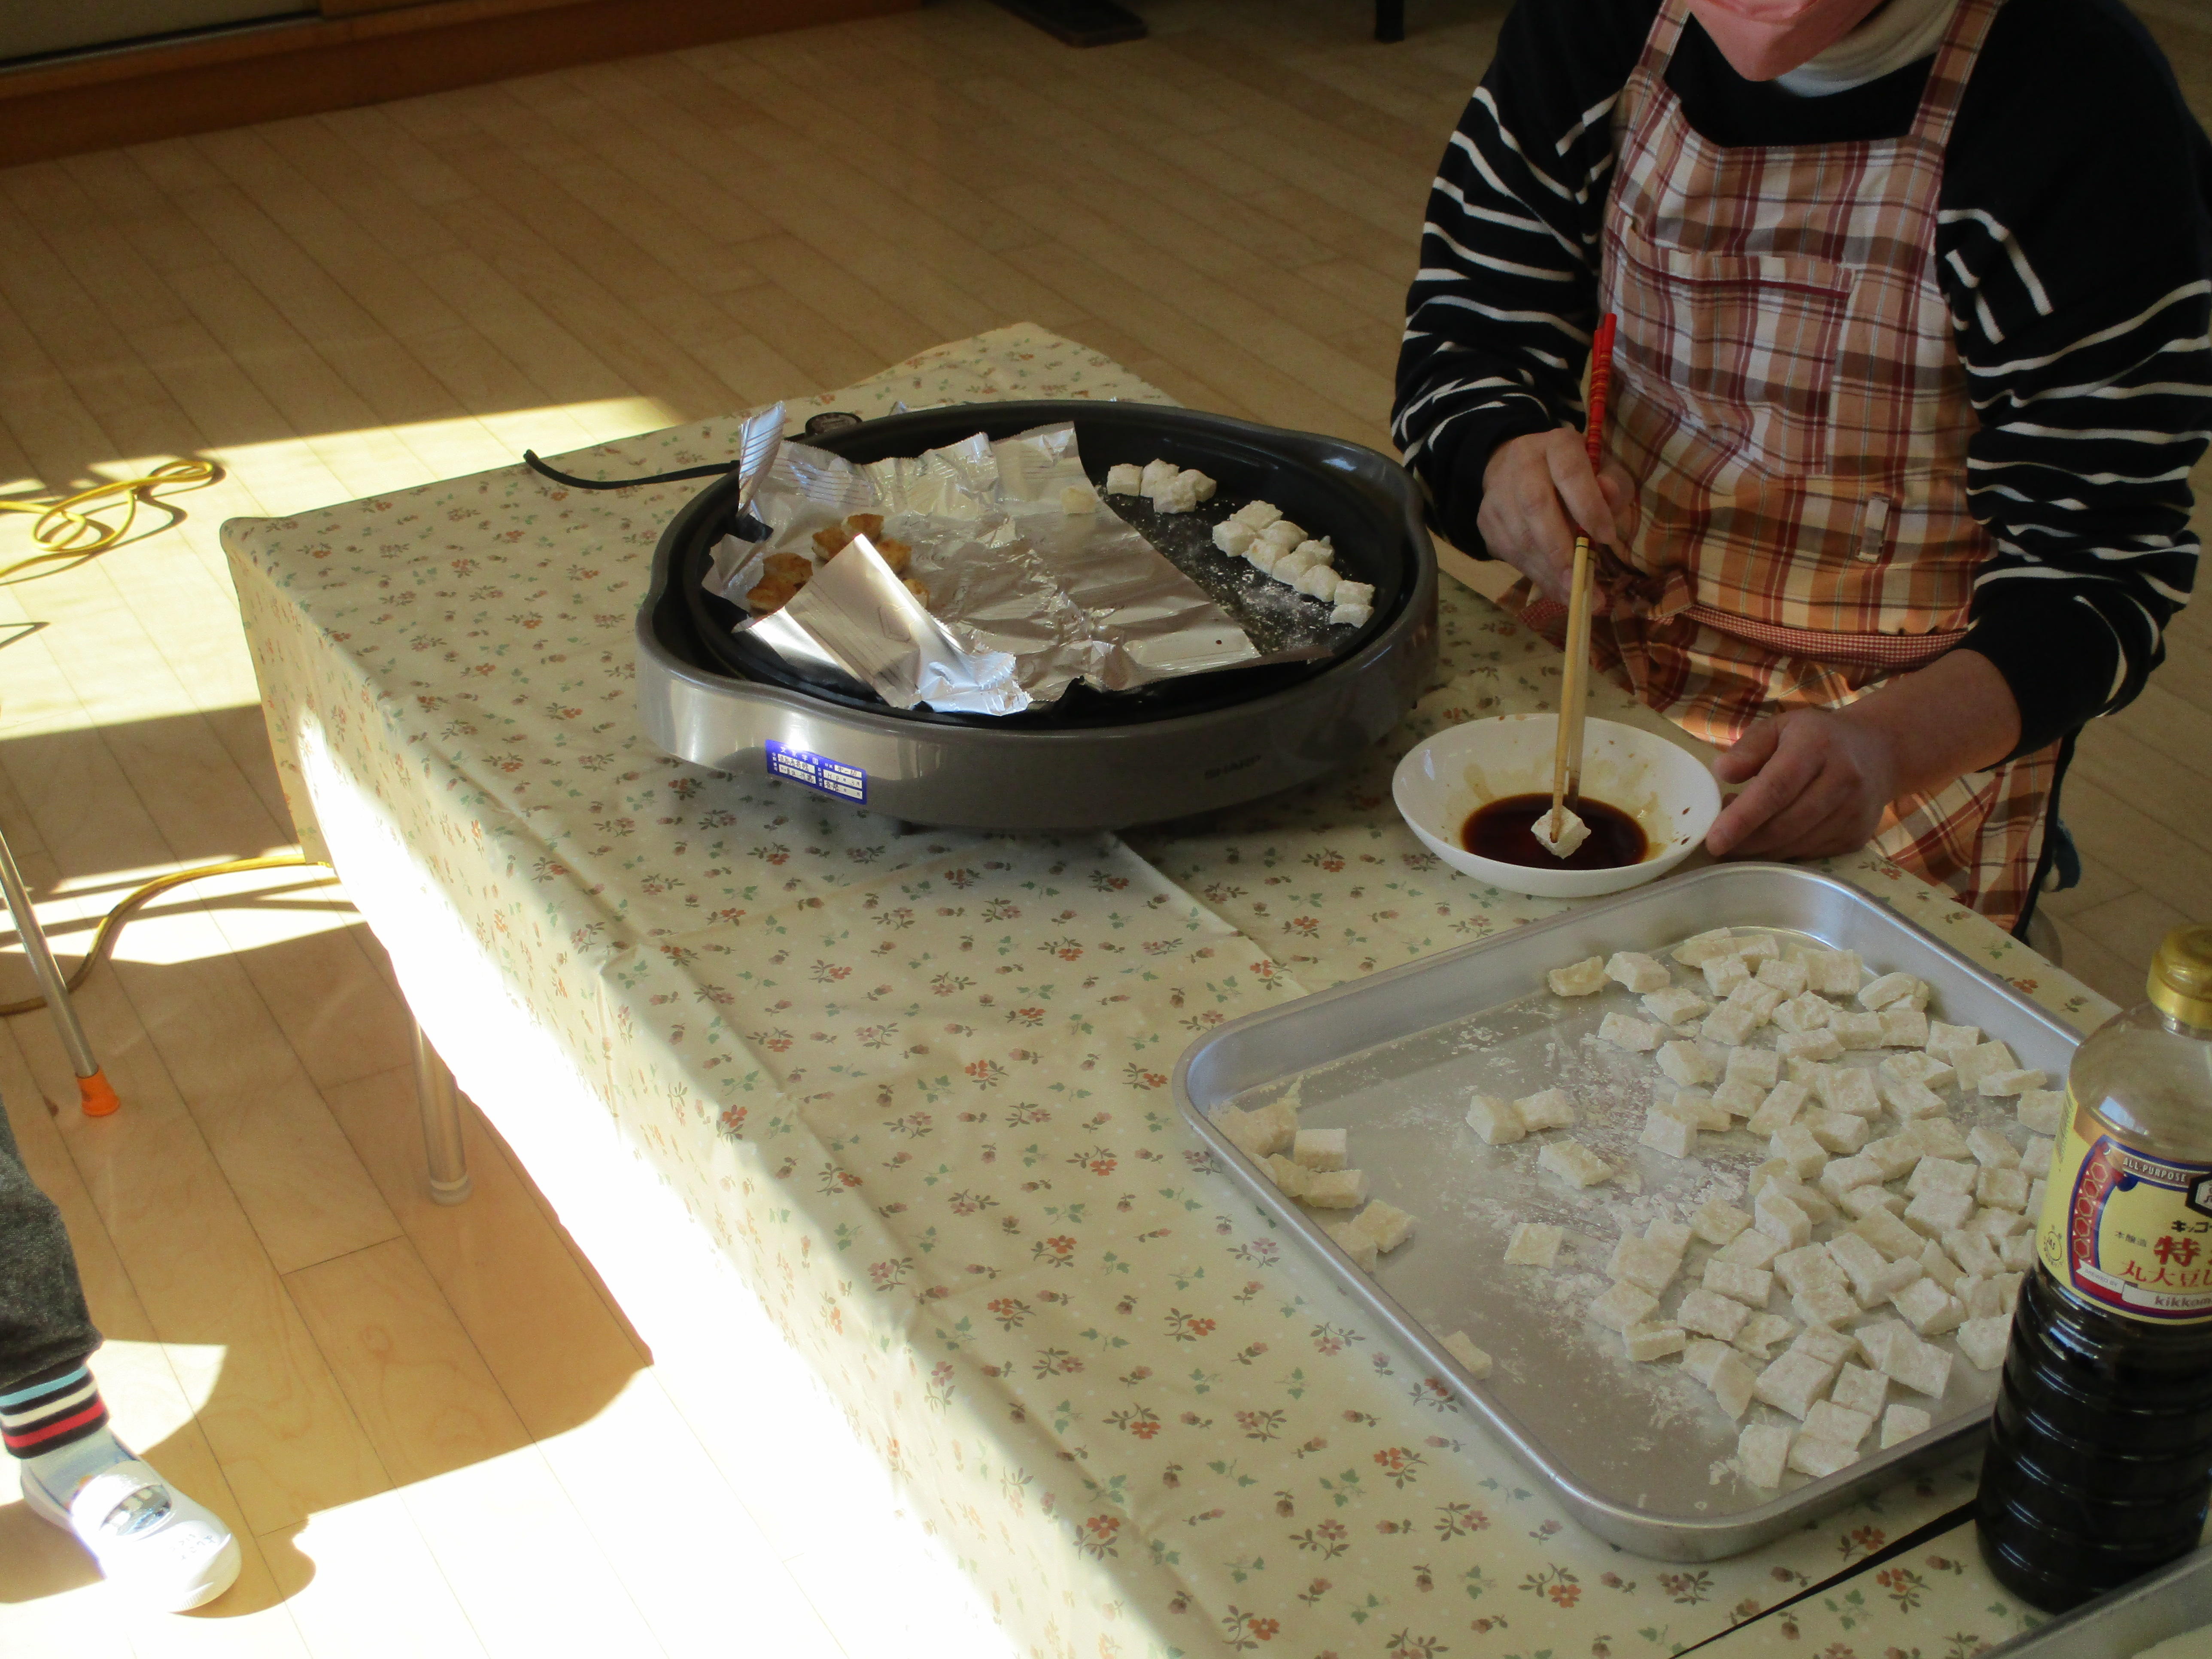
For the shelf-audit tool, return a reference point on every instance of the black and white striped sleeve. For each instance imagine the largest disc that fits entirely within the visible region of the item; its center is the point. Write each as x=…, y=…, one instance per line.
x=1499, y=316
x=2081, y=290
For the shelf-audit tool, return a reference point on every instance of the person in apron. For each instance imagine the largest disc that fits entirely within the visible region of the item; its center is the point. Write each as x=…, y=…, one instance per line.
x=1792, y=540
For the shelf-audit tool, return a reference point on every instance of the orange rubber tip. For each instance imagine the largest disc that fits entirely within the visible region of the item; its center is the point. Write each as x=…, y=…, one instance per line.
x=98, y=1095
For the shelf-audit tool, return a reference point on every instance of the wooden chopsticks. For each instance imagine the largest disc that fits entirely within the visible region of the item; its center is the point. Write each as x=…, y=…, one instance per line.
x=1574, y=686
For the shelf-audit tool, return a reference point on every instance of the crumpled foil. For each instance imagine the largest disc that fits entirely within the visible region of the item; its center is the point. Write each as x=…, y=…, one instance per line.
x=1025, y=598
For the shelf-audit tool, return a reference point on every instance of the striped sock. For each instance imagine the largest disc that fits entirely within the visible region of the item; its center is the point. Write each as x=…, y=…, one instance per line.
x=45, y=1413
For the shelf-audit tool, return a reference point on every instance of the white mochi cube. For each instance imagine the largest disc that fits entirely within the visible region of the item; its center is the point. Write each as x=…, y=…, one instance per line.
x=1496, y=1120
x=1833, y=973
x=1674, y=1006
x=1750, y=1285
x=1685, y=1064
x=1808, y=1045
x=1668, y=1134
x=1623, y=1306
x=1984, y=1060
x=2044, y=1111
x=1712, y=1315
x=1723, y=974
x=1903, y=1028
x=1157, y=473
x=1952, y=1043
x=1877, y=995
x=1781, y=1108
x=1931, y=1310
x=1636, y=1036
x=1761, y=1332
x=1642, y=1263
x=1534, y=1244
x=1902, y=1423
x=1793, y=1382
x=2001, y=1084
x=1751, y=1248
x=1290, y=1177
x=1859, y=1389
x=1354, y=1242
x=1574, y=1163
x=1386, y=1224
x=1718, y=1222
x=1578, y=979
x=1760, y=1065
x=1809, y=1455
x=1347, y=615
x=1731, y=1025
x=1337, y=1189
x=1234, y=538
x=1646, y=1343
x=1762, y=1453
x=1319, y=1149
x=1283, y=534
x=1126, y=480
x=1258, y=514
x=1638, y=972
x=1354, y=592
x=1548, y=1109
x=1461, y=1348
x=1316, y=581
x=1829, y=1421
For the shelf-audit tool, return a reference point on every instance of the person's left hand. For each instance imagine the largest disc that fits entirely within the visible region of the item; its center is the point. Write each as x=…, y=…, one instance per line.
x=1816, y=783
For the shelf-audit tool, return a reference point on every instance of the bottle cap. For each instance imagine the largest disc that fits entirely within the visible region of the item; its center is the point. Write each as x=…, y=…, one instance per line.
x=2181, y=975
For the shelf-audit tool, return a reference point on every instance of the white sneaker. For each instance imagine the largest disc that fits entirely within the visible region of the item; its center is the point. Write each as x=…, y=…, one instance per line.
x=160, y=1548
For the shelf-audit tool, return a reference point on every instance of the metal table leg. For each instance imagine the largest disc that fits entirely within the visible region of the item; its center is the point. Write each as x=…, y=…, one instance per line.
x=96, y=1095
x=440, y=1101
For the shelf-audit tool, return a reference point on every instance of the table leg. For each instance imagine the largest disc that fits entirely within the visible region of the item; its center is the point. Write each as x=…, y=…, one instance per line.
x=440, y=1101
x=1389, y=19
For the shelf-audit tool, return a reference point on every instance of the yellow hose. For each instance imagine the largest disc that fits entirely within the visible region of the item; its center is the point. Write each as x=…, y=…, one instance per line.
x=69, y=529
x=103, y=941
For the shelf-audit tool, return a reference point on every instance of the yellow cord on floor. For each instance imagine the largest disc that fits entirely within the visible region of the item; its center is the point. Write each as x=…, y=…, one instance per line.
x=70, y=528
x=103, y=941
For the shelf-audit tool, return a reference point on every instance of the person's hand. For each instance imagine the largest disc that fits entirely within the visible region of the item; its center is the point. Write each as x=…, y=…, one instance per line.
x=1536, y=488
x=1816, y=783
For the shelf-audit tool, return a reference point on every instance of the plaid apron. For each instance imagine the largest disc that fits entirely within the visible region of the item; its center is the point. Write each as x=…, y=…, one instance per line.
x=1787, y=394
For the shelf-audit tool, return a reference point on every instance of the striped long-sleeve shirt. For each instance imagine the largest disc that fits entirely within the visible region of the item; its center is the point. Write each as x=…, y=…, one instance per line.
x=2075, y=252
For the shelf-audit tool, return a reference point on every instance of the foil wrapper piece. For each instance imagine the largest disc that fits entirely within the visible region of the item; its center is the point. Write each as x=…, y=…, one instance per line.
x=860, y=614
x=1010, y=573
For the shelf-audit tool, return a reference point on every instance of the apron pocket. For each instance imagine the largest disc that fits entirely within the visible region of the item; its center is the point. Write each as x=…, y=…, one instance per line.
x=1745, y=344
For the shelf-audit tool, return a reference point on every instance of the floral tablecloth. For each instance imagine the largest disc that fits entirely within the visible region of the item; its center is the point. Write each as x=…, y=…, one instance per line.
x=914, y=1085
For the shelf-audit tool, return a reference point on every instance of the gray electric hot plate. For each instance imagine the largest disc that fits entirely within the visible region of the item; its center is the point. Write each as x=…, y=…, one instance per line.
x=1092, y=760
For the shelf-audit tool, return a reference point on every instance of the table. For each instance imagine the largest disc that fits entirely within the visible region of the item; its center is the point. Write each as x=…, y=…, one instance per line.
x=912, y=1086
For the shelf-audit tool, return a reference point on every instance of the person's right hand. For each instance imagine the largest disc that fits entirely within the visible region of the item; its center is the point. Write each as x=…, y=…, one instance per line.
x=1536, y=488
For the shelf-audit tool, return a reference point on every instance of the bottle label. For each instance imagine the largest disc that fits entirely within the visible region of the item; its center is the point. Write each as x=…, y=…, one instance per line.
x=2127, y=1229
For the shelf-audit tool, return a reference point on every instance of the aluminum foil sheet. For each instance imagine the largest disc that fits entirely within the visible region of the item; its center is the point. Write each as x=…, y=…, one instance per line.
x=1024, y=597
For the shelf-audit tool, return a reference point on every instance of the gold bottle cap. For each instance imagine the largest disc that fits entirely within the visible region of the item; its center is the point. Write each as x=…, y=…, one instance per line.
x=2181, y=975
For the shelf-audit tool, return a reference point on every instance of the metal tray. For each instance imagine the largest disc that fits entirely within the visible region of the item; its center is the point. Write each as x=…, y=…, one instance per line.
x=2174, y=1601
x=1634, y=1451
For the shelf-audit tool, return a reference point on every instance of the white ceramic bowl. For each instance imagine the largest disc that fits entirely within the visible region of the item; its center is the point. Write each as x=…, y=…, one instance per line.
x=1664, y=788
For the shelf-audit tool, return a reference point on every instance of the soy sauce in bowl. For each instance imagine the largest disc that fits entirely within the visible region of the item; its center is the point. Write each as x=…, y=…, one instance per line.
x=1505, y=830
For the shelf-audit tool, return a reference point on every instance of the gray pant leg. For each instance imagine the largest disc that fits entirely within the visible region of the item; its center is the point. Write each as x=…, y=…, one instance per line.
x=43, y=1324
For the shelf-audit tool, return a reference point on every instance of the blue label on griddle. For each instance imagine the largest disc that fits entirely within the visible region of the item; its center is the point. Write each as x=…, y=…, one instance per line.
x=818, y=772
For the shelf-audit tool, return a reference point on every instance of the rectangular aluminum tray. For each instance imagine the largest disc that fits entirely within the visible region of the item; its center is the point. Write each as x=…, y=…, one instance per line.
x=1634, y=1451
x=2174, y=1601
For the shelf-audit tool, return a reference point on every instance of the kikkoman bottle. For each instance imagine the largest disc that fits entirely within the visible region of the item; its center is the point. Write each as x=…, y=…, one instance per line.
x=2099, y=1458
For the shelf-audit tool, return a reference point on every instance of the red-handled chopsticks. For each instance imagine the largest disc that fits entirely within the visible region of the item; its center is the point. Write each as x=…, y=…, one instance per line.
x=1574, y=687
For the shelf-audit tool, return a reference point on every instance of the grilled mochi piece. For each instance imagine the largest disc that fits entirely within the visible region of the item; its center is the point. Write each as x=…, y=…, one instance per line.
x=1578, y=979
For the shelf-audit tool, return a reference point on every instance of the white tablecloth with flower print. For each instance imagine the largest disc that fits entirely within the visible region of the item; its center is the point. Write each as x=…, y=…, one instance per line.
x=914, y=1086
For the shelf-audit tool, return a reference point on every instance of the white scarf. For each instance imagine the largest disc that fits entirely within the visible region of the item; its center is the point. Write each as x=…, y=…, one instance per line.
x=1901, y=33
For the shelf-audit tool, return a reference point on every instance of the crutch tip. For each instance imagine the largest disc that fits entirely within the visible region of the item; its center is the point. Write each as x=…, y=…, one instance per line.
x=97, y=1095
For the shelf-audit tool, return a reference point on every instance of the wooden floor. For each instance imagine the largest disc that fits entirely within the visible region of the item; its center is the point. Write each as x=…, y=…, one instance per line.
x=423, y=1419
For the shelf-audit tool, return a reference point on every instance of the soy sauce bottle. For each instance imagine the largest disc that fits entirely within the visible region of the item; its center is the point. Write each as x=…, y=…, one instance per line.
x=2099, y=1460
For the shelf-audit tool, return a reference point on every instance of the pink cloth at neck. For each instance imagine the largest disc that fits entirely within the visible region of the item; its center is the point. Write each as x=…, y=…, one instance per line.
x=1762, y=38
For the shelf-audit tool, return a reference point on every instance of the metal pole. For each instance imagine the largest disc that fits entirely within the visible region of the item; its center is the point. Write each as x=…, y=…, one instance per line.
x=440, y=1101
x=99, y=1098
